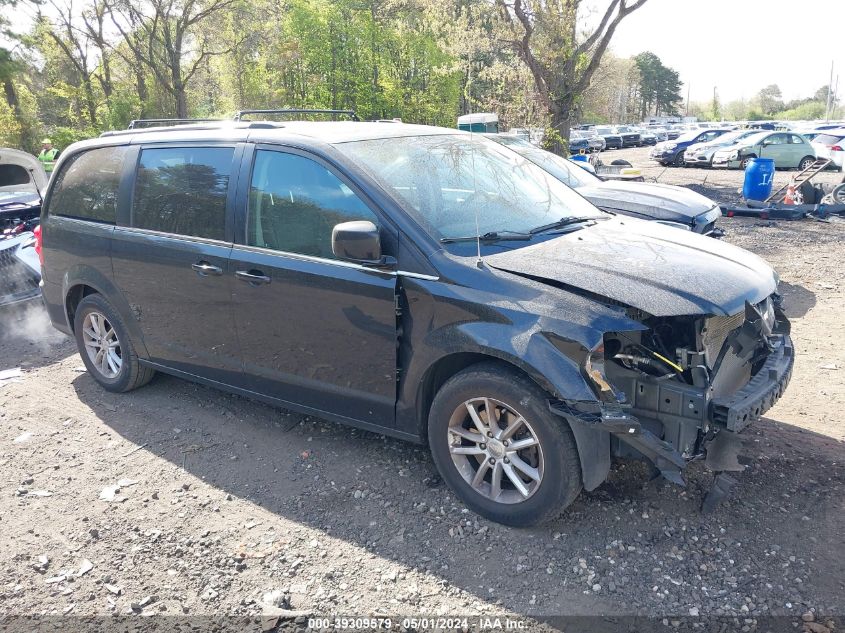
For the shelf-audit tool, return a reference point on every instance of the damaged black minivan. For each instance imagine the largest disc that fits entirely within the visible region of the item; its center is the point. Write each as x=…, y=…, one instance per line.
x=419, y=282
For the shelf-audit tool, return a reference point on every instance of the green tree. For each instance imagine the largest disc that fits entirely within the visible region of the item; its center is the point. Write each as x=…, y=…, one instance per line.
x=176, y=42
x=660, y=86
x=545, y=36
x=770, y=99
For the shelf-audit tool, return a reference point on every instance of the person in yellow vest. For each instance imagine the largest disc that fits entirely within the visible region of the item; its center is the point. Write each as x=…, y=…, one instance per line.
x=48, y=155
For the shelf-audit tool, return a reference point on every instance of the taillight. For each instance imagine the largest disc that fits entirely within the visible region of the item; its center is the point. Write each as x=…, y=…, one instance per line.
x=836, y=148
x=39, y=244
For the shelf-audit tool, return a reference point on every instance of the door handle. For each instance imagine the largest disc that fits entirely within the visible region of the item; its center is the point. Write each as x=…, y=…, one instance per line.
x=205, y=269
x=254, y=277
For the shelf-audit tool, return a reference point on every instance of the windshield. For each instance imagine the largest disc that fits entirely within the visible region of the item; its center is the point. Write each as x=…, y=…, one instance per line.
x=688, y=136
x=754, y=138
x=451, y=181
x=728, y=138
x=603, y=130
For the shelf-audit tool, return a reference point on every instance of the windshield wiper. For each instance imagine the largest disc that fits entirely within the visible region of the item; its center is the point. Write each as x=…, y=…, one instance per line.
x=560, y=224
x=490, y=236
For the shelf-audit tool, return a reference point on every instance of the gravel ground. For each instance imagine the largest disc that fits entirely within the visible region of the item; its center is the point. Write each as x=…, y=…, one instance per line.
x=178, y=499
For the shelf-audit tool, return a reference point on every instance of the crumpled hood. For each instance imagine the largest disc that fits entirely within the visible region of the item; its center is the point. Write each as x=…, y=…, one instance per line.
x=648, y=266
x=661, y=202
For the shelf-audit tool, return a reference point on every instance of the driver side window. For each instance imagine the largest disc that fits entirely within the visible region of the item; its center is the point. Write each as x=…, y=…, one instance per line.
x=295, y=202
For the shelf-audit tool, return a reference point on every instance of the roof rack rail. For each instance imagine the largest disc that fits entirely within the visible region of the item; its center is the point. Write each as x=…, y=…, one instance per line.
x=288, y=111
x=140, y=123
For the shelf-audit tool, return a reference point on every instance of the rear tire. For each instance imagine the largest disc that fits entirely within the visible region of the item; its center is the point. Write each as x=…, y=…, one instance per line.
x=471, y=459
x=105, y=346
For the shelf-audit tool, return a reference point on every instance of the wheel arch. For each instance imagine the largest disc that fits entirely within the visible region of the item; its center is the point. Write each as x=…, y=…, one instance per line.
x=807, y=157
x=593, y=445
x=82, y=281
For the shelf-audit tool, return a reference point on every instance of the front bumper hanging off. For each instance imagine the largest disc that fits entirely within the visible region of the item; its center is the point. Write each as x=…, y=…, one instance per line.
x=672, y=423
x=746, y=405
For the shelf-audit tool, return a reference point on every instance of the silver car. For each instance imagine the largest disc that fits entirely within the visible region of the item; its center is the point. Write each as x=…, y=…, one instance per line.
x=701, y=154
x=678, y=207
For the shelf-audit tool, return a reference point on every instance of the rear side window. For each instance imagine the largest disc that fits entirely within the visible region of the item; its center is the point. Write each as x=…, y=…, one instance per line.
x=795, y=139
x=182, y=190
x=828, y=139
x=294, y=203
x=87, y=186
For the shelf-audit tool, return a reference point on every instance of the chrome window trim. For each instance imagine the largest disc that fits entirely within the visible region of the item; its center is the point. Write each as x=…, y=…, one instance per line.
x=174, y=236
x=334, y=262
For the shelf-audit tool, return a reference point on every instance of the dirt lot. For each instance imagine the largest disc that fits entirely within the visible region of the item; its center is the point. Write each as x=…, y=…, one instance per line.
x=222, y=500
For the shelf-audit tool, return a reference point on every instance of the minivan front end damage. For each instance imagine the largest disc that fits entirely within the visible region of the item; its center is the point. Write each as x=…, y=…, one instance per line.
x=682, y=389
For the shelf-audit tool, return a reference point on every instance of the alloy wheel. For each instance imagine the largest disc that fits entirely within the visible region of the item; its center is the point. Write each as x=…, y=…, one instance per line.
x=102, y=344
x=495, y=450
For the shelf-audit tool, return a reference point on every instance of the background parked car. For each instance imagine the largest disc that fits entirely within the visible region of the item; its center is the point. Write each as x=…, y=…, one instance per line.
x=22, y=179
x=789, y=150
x=630, y=136
x=585, y=140
x=675, y=206
x=672, y=152
x=660, y=133
x=611, y=139
x=701, y=154
x=578, y=143
x=597, y=143
x=20, y=270
x=647, y=137
x=831, y=144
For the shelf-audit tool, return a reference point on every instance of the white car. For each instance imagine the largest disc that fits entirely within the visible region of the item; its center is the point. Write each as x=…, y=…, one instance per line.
x=831, y=144
x=22, y=181
x=702, y=153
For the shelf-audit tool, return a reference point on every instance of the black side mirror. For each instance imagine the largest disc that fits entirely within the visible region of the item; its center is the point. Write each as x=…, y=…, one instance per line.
x=357, y=241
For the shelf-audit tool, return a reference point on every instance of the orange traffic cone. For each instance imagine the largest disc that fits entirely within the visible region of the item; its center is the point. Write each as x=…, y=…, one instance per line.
x=790, y=194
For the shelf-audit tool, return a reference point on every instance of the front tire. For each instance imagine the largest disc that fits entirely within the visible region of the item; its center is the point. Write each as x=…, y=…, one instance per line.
x=806, y=163
x=105, y=346
x=679, y=159
x=499, y=448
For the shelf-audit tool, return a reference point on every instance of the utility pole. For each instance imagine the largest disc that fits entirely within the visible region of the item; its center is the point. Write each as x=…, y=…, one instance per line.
x=686, y=112
x=829, y=95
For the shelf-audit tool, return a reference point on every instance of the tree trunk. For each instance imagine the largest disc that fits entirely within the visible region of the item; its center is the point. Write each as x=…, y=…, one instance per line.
x=108, y=88
x=141, y=87
x=181, y=101
x=180, y=98
x=12, y=96
x=90, y=103
x=561, y=123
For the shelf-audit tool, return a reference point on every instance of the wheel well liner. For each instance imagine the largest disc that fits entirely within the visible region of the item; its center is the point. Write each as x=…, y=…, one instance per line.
x=74, y=295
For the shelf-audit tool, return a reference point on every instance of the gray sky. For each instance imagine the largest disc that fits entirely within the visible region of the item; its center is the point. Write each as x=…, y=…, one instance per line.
x=740, y=46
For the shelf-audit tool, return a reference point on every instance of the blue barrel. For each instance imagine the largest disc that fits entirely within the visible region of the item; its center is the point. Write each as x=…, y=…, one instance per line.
x=582, y=157
x=758, y=179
